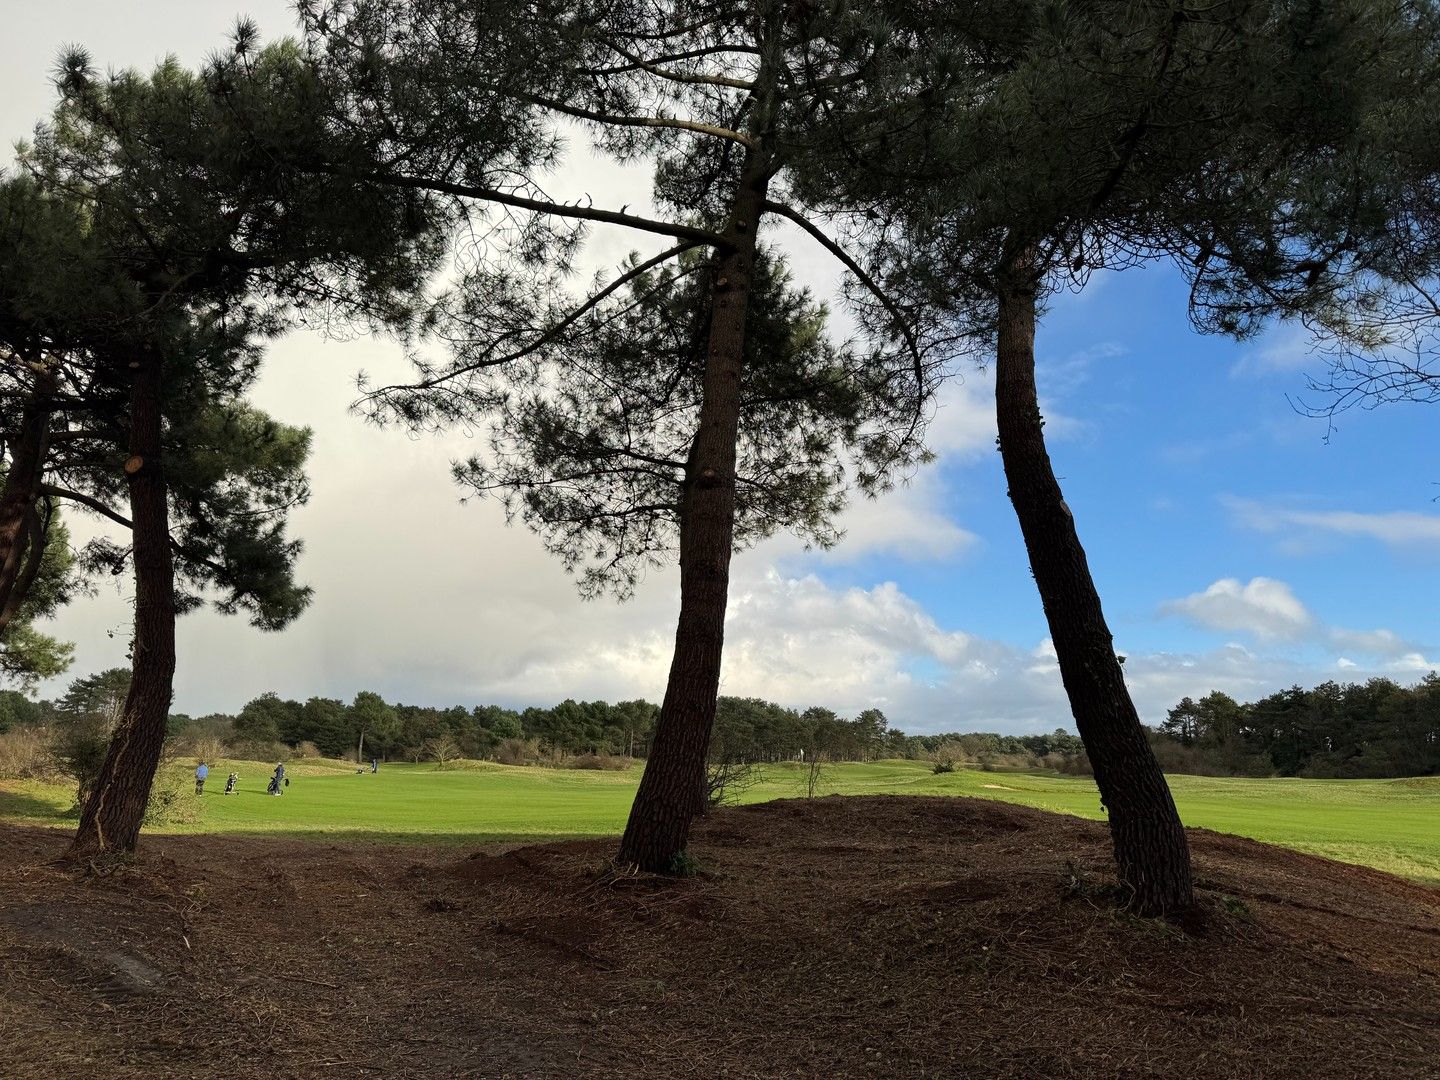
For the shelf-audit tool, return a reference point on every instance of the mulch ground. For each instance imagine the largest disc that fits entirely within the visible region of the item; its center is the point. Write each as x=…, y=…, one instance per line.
x=839, y=937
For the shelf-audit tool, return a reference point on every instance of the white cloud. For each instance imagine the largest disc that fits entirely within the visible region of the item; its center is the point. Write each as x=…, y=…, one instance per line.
x=1270, y=611
x=1398, y=528
x=1287, y=349
x=1263, y=607
x=1368, y=642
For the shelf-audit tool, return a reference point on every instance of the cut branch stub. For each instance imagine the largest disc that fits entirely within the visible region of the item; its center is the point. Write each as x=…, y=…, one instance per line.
x=134, y=464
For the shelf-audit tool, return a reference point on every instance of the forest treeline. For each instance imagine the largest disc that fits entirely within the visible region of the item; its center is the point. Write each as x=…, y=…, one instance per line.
x=590, y=733
x=1374, y=729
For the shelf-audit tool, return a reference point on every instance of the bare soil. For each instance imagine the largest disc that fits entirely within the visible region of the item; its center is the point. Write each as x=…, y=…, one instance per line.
x=839, y=937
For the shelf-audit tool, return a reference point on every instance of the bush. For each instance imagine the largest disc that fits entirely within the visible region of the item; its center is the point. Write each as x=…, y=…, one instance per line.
x=25, y=754
x=198, y=745
x=993, y=761
x=1075, y=764
x=517, y=751
x=943, y=767
x=599, y=761
x=306, y=749
x=949, y=753
x=173, y=800
x=260, y=750
x=79, y=745
x=726, y=781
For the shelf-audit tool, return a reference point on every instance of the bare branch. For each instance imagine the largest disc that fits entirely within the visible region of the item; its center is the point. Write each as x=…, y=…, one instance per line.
x=87, y=501
x=641, y=121
x=901, y=323
x=539, y=206
x=549, y=334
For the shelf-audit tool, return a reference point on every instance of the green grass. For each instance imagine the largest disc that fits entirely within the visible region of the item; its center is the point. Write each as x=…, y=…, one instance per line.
x=1393, y=825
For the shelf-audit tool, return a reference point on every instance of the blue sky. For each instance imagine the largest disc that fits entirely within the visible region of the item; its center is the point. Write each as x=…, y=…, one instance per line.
x=1235, y=548
x=1172, y=434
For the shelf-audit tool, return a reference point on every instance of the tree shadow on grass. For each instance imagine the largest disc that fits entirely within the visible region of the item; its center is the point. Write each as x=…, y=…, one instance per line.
x=30, y=808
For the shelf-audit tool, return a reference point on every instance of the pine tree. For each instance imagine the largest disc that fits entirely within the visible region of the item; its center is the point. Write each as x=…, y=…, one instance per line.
x=471, y=99
x=195, y=250
x=1281, y=155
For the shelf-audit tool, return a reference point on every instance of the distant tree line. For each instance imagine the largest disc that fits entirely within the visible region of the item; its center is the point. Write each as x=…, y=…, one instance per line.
x=1377, y=728
x=748, y=731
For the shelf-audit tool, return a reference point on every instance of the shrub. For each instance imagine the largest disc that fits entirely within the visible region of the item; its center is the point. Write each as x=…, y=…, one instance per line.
x=949, y=754
x=1076, y=765
x=599, y=761
x=25, y=754
x=79, y=745
x=517, y=751
x=173, y=800
x=260, y=750
x=306, y=749
x=726, y=781
x=199, y=745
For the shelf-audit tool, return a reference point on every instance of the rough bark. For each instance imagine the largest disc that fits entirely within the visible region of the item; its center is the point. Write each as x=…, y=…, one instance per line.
x=672, y=788
x=1150, y=847
x=115, y=809
x=19, y=496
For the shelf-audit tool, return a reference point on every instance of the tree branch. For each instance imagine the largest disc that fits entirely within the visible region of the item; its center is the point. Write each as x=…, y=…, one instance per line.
x=652, y=66
x=547, y=335
x=87, y=501
x=640, y=121
x=539, y=206
x=901, y=323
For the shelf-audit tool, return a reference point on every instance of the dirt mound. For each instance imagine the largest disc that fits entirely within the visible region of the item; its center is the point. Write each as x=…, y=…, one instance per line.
x=839, y=937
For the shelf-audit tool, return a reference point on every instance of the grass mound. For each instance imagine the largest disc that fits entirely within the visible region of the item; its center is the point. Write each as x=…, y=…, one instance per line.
x=873, y=936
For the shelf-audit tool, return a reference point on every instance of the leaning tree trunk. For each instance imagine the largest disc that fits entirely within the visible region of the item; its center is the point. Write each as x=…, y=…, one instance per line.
x=670, y=794
x=116, y=807
x=19, y=496
x=1149, y=840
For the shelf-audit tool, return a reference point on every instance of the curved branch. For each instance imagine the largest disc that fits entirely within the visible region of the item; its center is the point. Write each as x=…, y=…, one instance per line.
x=548, y=335
x=653, y=67
x=616, y=120
x=901, y=323
x=87, y=501
x=539, y=206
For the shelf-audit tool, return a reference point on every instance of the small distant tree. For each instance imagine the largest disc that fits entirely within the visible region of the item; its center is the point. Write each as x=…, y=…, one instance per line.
x=948, y=755
x=815, y=769
x=262, y=719
x=442, y=750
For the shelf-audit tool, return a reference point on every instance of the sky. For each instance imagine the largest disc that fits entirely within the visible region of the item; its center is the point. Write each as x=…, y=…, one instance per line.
x=1238, y=544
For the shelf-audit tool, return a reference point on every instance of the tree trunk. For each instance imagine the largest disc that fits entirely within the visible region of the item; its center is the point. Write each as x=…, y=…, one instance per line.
x=1149, y=840
x=672, y=788
x=113, y=813
x=19, y=496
